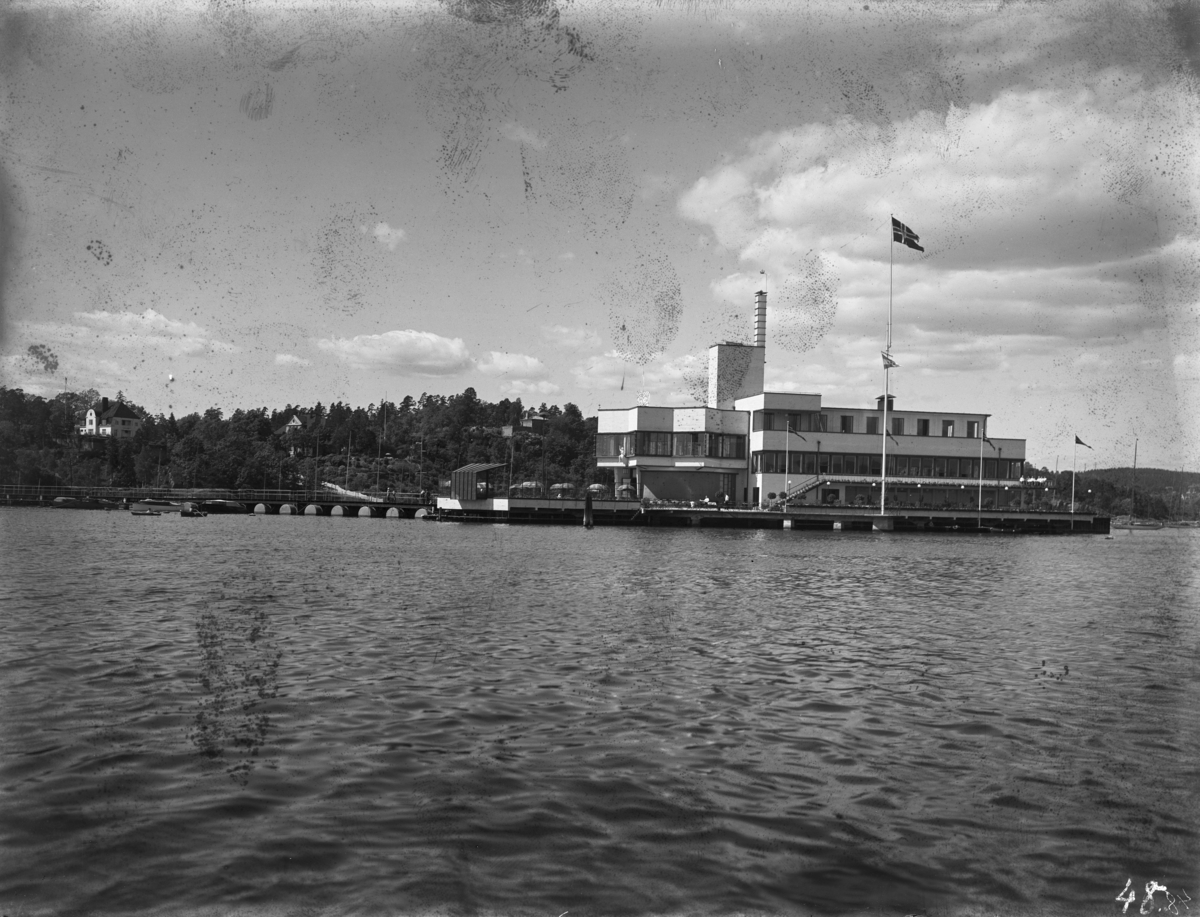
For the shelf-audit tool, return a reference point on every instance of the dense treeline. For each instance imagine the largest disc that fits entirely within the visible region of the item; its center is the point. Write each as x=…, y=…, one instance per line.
x=1154, y=493
x=404, y=445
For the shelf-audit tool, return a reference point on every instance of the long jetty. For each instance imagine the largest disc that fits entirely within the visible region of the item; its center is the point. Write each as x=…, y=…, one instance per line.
x=798, y=518
x=551, y=511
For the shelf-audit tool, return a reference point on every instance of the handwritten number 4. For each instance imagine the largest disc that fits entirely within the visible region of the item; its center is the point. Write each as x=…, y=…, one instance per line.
x=1128, y=897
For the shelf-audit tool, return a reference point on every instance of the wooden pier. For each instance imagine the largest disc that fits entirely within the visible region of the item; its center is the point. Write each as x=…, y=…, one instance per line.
x=814, y=518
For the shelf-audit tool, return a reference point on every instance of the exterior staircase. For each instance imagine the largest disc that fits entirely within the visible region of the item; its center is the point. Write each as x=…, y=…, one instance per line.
x=803, y=486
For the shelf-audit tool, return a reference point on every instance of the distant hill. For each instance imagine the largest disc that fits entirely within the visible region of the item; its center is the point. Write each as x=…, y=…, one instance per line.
x=1149, y=480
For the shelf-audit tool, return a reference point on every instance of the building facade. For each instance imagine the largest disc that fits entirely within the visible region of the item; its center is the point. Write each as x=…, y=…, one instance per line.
x=110, y=419
x=755, y=447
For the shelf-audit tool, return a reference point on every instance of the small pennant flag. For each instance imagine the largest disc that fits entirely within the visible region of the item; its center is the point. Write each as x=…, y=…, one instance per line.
x=905, y=236
x=888, y=362
x=1080, y=442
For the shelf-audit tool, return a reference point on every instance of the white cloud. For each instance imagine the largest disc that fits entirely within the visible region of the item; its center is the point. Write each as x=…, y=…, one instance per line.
x=511, y=364
x=416, y=353
x=523, y=387
x=520, y=134
x=288, y=359
x=678, y=382
x=116, y=330
x=388, y=236
x=563, y=337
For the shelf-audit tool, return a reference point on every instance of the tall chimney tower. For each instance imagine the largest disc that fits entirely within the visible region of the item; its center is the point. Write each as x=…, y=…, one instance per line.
x=760, y=318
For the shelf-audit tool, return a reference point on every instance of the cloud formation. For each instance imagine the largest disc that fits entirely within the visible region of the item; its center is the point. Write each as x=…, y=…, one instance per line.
x=517, y=133
x=289, y=359
x=388, y=236
x=518, y=365
x=404, y=353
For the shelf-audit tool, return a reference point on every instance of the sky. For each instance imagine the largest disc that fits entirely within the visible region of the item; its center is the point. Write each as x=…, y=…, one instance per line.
x=240, y=204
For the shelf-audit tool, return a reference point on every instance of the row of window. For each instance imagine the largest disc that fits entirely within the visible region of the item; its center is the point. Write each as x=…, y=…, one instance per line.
x=682, y=445
x=811, y=421
x=912, y=466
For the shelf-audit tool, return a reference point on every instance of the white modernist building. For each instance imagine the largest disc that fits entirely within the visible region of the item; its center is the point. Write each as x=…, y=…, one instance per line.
x=751, y=446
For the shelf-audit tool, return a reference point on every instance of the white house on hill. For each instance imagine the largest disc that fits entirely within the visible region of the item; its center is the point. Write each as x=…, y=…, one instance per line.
x=110, y=419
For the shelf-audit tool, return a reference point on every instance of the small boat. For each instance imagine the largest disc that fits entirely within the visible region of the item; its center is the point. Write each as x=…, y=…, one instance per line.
x=223, y=506
x=82, y=503
x=143, y=512
x=1131, y=523
x=160, y=506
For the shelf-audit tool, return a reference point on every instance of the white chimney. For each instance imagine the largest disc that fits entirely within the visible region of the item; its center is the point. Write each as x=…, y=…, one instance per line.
x=760, y=318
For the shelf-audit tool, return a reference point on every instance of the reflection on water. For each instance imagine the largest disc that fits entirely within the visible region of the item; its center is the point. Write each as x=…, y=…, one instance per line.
x=239, y=665
x=385, y=716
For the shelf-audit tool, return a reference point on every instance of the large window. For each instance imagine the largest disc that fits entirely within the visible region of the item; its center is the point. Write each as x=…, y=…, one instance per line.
x=897, y=426
x=691, y=445
x=873, y=425
x=947, y=428
x=651, y=442
x=770, y=462
x=847, y=423
x=972, y=429
x=922, y=426
x=609, y=445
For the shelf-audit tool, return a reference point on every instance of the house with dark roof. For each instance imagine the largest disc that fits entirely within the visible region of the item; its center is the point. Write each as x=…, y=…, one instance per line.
x=110, y=419
x=290, y=432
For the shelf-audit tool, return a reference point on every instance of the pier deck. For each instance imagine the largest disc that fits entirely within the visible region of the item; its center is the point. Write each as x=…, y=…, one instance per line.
x=828, y=518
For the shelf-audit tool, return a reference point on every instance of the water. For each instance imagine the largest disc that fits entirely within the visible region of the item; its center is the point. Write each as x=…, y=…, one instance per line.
x=309, y=715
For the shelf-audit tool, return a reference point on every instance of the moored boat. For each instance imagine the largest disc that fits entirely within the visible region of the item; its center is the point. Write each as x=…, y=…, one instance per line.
x=223, y=506
x=1129, y=522
x=160, y=506
x=83, y=503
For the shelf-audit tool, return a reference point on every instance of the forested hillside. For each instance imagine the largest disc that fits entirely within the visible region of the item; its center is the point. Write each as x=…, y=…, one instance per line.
x=402, y=445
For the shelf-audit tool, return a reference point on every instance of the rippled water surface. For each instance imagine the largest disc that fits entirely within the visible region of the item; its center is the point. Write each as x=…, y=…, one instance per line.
x=311, y=715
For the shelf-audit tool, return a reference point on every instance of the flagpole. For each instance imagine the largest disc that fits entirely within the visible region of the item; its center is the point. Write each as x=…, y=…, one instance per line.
x=1074, y=451
x=979, y=511
x=887, y=373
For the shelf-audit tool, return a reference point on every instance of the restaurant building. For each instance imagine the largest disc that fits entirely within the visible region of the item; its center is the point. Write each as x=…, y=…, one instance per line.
x=753, y=447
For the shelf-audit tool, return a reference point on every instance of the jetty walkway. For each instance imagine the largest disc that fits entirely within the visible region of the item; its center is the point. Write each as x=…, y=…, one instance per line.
x=322, y=502
x=813, y=518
